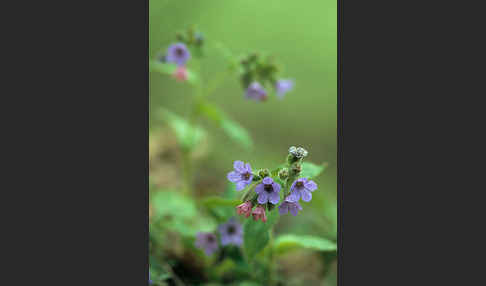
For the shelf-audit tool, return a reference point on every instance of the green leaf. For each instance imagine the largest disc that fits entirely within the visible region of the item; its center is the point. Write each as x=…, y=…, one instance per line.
x=233, y=129
x=220, y=208
x=311, y=170
x=256, y=234
x=187, y=135
x=285, y=243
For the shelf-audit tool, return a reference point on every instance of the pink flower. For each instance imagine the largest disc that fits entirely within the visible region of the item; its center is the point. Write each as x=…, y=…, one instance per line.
x=180, y=73
x=244, y=209
x=259, y=213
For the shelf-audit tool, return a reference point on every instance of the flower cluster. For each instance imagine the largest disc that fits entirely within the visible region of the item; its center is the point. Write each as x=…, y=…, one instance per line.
x=258, y=71
x=264, y=187
x=231, y=233
x=179, y=53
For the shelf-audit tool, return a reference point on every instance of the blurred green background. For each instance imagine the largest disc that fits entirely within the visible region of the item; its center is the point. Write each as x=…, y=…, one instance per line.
x=302, y=35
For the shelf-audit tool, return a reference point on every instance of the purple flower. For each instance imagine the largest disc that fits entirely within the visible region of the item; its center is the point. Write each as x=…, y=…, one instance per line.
x=242, y=175
x=287, y=205
x=178, y=54
x=207, y=241
x=268, y=191
x=283, y=86
x=256, y=91
x=231, y=233
x=302, y=188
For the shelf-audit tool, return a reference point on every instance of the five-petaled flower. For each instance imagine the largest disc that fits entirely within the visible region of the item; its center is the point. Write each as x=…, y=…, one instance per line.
x=283, y=86
x=302, y=188
x=256, y=91
x=242, y=175
x=207, y=241
x=178, y=54
x=288, y=206
x=231, y=232
x=268, y=191
x=244, y=209
x=259, y=213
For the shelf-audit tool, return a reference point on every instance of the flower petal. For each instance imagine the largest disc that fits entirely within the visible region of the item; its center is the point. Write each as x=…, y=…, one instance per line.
x=263, y=198
x=311, y=186
x=239, y=166
x=306, y=195
x=267, y=180
x=294, y=196
x=293, y=210
x=276, y=187
x=274, y=197
x=241, y=185
x=259, y=188
x=234, y=176
x=248, y=167
x=283, y=208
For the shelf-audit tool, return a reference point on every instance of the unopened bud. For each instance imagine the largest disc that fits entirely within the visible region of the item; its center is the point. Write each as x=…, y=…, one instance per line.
x=263, y=173
x=283, y=174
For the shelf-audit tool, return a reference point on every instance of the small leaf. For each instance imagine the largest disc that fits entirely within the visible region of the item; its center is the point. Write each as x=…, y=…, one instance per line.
x=187, y=136
x=233, y=129
x=256, y=234
x=285, y=243
x=311, y=170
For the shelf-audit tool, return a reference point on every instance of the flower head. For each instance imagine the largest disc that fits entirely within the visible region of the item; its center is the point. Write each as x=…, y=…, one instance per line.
x=259, y=213
x=268, y=191
x=282, y=86
x=231, y=233
x=180, y=73
x=256, y=91
x=298, y=152
x=242, y=175
x=207, y=241
x=178, y=54
x=244, y=209
x=302, y=188
x=287, y=205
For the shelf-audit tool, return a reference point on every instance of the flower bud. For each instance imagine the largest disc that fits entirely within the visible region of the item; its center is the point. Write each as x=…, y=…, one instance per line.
x=283, y=174
x=259, y=213
x=264, y=173
x=244, y=209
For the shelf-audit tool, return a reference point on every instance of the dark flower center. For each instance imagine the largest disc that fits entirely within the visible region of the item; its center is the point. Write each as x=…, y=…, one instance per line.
x=268, y=188
x=246, y=176
x=179, y=52
x=210, y=238
x=299, y=184
x=231, y=229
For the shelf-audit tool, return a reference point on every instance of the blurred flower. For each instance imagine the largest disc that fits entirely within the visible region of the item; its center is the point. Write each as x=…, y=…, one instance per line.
x=298, y=152
x=244, y=209
x=207, y=242
x=180, y=73
x=259, y=213
x=242, y=175
x=302, y=188
x=268, y=191
x=282, y=86
x=287, y=205
x=231, y=233
x=256, y=91
x=178, y=54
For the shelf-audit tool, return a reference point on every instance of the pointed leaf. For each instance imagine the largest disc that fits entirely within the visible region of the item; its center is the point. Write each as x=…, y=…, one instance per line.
x=285, y=243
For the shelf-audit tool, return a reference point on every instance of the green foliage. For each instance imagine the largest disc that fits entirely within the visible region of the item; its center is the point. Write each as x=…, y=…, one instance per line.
x=285, y=243
x=256, y=234
x=187, y=136
x=178, y=212
x=157, y=272
x=233, y=129
x=220, y=208
x=311, y=170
